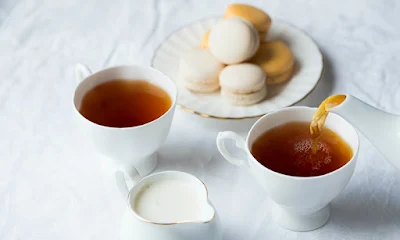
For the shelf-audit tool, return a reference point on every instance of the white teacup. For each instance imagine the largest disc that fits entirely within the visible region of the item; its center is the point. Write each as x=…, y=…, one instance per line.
x=300, y=203
x=133, y=148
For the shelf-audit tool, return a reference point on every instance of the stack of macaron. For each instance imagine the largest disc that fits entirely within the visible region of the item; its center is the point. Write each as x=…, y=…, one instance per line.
x=234, y=57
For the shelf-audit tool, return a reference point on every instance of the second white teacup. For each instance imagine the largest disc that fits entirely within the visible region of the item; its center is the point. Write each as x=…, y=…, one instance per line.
x=301, y=203
x=133, y=148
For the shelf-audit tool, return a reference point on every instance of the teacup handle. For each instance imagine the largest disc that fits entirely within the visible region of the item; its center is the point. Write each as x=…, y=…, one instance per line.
x=81, y=72
x=240, y=143
x=122, y=186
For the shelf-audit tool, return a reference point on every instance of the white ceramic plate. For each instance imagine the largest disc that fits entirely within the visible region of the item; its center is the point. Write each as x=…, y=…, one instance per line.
x=309, y=66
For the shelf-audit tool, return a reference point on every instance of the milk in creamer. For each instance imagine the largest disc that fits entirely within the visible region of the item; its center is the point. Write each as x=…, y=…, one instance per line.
x=169, y=201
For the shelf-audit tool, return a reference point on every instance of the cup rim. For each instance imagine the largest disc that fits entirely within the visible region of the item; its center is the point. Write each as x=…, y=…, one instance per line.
x=131, y=208
x=145, y=68
x=302, y=178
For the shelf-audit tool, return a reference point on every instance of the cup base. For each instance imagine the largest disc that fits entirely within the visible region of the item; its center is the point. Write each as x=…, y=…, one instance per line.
x=301, y=222
x=147, y=165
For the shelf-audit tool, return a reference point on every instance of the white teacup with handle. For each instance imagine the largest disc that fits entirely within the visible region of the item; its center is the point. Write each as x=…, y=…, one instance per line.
x=131, y=148
x=300, y=203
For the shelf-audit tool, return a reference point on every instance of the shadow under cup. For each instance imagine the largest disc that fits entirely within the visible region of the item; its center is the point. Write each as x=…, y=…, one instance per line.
x=302, y=203
x=133, y=148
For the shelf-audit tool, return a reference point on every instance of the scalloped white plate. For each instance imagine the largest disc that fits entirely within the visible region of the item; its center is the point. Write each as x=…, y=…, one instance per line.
x=309, y=66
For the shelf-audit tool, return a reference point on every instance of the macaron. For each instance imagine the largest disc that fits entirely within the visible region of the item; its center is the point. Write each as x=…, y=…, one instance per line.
x=263, y=36
x=204, y=40
x=233, y=40
x=243, y=84
x=260, y=19
x=277, y=61
x=281, y=78
x=199, y=70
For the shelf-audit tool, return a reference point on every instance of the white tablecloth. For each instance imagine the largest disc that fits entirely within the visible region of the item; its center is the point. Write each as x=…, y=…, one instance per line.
x=53, y=187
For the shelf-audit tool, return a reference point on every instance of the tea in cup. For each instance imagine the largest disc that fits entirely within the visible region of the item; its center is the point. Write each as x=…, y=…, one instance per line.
x=280, y=157
x=126, y=112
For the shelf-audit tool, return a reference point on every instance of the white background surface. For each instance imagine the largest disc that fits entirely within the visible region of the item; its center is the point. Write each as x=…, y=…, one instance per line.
x=52, y=186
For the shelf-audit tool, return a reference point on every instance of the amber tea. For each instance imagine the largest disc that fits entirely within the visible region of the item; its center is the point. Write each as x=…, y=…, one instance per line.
x=125, y=103
x=319, y=117
x=287, y=149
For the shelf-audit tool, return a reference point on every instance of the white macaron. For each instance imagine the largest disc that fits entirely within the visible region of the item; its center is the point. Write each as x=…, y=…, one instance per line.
x=233, y=40
x=199, y=70
x=243, y=84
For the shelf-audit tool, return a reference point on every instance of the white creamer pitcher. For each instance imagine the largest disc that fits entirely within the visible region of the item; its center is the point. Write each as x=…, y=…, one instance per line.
x=134, y=226
x=382, y=129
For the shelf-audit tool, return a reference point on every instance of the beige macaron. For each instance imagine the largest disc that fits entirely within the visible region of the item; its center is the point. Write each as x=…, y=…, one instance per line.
x=243, y=84
x=199, y=70
x=260, y=19
x=233, y=40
